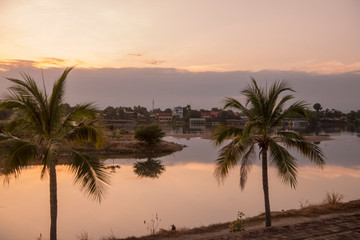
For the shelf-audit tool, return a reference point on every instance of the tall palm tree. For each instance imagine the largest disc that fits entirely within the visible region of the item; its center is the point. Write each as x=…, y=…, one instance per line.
x=265, y=113
x=42, y=133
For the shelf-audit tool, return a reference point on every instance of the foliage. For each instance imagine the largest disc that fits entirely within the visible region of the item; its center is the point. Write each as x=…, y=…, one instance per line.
x=153, y=224
x=317, y=107
x=265, y=113
x=41, y=132
x=150, y=134
x=238, y=224
x=333, y=198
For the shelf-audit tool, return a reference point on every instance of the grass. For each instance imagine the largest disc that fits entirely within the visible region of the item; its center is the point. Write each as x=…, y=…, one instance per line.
x=311, y=210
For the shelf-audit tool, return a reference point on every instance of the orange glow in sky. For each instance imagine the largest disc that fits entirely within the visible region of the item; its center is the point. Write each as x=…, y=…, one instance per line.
x=314, y=36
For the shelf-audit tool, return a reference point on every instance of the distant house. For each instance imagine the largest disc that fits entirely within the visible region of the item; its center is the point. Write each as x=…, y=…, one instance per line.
x=214, y=114
x=163, y=117
x=205, y=115
x=178, y=112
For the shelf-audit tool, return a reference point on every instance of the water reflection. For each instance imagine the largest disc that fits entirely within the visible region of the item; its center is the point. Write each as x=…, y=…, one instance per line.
x=113, y=167
x=185, y=194
x=151, y=168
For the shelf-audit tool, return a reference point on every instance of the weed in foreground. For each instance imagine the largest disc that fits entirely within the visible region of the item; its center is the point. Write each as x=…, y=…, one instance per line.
x=333, y=198
x=238, y=224
x=153, y=224
x=83, y=236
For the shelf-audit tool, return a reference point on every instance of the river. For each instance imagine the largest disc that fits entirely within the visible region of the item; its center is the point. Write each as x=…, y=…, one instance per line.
x=182, y=192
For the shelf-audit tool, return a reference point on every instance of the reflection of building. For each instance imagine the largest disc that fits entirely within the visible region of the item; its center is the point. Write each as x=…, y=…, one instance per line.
x=298, y=123
x=235, y=122
x=178, y=112
x=163, y=117
x=197, y=121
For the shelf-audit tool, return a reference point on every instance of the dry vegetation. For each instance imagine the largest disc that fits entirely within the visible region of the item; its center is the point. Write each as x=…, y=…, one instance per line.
x=312, y=210
x=127, y=146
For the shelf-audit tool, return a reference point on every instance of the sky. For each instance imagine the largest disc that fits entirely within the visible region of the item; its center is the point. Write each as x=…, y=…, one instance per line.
x=129, y=52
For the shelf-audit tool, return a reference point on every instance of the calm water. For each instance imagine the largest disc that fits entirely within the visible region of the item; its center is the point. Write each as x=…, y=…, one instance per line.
x=186, y=194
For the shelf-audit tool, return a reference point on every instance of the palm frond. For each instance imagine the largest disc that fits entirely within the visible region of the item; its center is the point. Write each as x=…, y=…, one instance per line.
x=285, y=163
x=225, y=132
x=229, y=156
x=86, y=132
x=80, y=112
x=307, y=149
x=297, y=107
x=246, y=164
x=90, y=174
x=16, y=155
x=56, y=100
x=232, y=103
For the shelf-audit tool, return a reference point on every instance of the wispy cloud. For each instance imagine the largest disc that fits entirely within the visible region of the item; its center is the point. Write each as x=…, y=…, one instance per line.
x=135, y=54
x=153, y=62
x=48, y=62
x=328, y=67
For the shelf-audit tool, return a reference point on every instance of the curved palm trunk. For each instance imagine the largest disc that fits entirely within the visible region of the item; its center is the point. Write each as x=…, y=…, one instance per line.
x=53, y=203
x=266, y=188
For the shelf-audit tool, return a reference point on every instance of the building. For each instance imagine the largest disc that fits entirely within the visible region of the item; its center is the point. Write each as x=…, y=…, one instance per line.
x=163, y=117
x=178, y=112
x=214, y=114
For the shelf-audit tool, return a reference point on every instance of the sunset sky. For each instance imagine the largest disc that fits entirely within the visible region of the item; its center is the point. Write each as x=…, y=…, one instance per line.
x=195, y=35
x=312, y=36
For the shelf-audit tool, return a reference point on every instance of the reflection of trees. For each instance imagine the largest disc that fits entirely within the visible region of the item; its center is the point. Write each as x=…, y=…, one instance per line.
x=151, y=168
x=113, y=167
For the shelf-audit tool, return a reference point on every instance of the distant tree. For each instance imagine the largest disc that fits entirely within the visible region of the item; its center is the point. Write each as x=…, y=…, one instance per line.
x=109, y=113
x=151, y=134
x=168, y=110
x=317, y=107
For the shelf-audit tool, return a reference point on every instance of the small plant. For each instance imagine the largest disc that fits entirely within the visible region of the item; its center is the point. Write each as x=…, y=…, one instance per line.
x=83, y=236
x=238, y=224
x=333, y=198
x=40, y=237
x=153, y=225
x=304, y=203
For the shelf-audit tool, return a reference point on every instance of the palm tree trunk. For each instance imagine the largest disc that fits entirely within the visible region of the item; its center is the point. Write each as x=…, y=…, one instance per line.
x=266, y=188
x=53, y=203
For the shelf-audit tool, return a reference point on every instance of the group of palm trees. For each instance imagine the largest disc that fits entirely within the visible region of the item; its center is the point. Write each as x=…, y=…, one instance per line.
x=41, y=132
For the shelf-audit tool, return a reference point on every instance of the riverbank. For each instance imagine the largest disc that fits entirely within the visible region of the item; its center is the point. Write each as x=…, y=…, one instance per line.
x=254, y=226
x=127, y=146
x=310, y=138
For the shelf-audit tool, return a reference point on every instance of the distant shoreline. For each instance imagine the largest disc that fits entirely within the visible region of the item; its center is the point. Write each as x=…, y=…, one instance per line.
x=311, y=138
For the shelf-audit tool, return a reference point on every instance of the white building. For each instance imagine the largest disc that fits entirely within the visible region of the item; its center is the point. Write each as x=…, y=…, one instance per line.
x=178, y=112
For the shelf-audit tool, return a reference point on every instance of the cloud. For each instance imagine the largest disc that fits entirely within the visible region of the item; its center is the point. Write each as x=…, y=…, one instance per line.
x=43, y=63
x=171, y=87
x=135, y=54
x=8, y=64
x=153, y=62
x=328, y=67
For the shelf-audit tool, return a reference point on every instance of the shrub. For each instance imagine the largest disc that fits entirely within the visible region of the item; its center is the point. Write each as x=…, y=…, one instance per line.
x=151, y=134
x=333, y=198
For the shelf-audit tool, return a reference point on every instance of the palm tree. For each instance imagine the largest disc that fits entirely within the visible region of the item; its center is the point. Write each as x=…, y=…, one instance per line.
x=42, y=133
x=265, y=113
